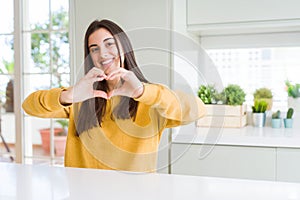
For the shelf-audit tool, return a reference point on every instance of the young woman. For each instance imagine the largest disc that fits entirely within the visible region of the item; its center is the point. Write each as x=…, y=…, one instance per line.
x=116, y=117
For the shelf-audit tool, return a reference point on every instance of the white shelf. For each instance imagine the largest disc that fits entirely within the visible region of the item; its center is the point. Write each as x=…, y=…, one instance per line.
x=247, y=136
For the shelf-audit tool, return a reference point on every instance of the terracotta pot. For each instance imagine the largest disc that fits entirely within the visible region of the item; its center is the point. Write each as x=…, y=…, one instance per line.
x=45, y=136
x=60, y=145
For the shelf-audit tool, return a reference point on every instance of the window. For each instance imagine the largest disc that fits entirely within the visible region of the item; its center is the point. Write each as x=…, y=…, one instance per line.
x=253, y=68
x=257, y=60
x=7, y=118
x=46, y=65
x=43, y=60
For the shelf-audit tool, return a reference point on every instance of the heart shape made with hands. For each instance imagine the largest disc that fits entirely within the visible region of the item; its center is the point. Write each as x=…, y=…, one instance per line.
x=127, y=84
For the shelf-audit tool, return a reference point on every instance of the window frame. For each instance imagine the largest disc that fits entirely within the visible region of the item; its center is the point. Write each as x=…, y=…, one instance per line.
x=21, y=147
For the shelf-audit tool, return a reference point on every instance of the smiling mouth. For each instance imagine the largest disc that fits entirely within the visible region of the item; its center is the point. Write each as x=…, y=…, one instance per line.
x=107, y=62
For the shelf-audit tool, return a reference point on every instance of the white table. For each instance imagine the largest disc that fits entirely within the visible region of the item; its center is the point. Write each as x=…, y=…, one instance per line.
x=30, y=182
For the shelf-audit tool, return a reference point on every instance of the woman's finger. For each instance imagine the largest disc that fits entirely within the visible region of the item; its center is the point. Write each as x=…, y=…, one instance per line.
x=117, y=71
x=96, y=79
x=94, y=72
x=114, y=74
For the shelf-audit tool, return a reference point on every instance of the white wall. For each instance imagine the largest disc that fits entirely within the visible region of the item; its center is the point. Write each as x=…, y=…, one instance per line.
x=231, y=11
x=192, y=66
x=215, y=17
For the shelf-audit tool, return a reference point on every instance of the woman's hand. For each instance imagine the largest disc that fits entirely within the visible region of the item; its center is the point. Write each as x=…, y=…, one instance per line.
x=128, y=84
x=84, y=90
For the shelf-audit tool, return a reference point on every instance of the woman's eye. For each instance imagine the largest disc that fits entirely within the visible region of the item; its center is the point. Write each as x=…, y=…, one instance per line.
x=95, y=50
x=109, y=44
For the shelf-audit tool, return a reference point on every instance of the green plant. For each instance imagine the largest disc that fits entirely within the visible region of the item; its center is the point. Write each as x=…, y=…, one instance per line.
x=64, y=123
x=263, y=93
x=260, y=106
x=8, y=67
x=290, y=113
x=40, y=50
x=218, y=98
x=234, y=94
x=293, y=90
x=276, y=115
x=205, y=93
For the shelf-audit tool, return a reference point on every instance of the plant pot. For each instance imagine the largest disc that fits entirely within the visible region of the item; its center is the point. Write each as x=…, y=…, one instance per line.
x=288, y=123
x=45, y=136
x=276, y=123
x=60, y=145
x=259, y=119
x=225, y=116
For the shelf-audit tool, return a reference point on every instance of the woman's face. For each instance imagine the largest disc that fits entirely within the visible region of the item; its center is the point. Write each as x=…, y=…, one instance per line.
x=104, y=51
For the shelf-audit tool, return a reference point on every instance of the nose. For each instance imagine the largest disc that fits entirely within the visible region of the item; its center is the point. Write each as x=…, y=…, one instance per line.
x=103, y=52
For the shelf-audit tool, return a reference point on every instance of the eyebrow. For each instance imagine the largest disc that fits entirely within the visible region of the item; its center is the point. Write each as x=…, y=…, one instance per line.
x=92, y=45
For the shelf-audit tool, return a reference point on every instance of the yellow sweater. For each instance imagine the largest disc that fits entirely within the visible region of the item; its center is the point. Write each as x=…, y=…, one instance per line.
x=120, y=144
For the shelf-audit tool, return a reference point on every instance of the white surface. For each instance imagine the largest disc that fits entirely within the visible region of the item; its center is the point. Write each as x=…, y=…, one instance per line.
x=230, y=11
x=235, y=17
x=30, y=182
x=288, y=164
x=247, y=136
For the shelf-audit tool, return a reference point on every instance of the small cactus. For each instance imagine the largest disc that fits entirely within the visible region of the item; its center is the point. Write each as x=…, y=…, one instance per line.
x=290, y=113
x=276, y=115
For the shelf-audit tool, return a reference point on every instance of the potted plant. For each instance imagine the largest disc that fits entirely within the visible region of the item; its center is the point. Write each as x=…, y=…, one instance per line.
x=293, y=91
x=276, y=119
x=259, y=113
x=61, y=137
x=288, y=121
x=264, y=94
x=234, y=95
x=60, y=134
x=205, y=93
x=209, y=95
x=223, y=109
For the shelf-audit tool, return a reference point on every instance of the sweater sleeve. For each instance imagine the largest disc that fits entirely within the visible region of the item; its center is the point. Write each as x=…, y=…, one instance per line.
x=45, y=104
x=176, y=107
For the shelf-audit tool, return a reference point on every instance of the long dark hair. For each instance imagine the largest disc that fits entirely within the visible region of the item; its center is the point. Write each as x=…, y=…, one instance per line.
x=92, y=110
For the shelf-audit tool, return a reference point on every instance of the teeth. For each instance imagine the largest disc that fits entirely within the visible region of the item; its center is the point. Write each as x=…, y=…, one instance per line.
x=106, y=62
